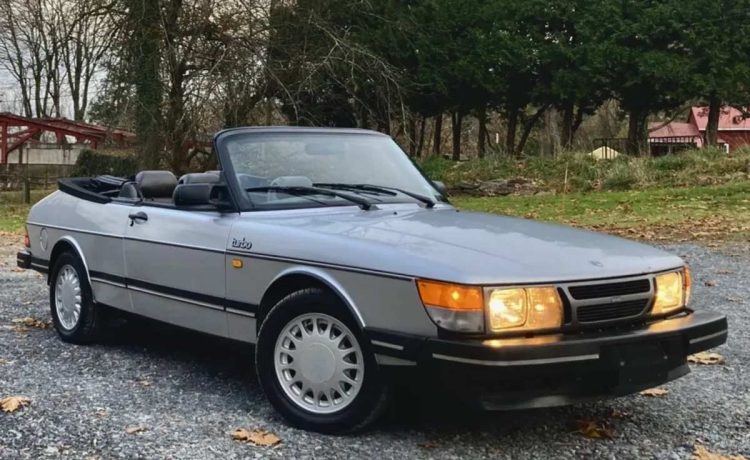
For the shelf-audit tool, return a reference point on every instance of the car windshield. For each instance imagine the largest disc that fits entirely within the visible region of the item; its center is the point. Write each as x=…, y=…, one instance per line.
x=292, y=170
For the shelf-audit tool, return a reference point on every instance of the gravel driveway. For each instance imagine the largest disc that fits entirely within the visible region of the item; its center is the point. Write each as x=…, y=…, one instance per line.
x=189, y=392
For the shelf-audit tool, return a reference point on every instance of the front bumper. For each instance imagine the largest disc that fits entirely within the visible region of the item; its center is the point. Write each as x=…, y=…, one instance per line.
x=561, y=369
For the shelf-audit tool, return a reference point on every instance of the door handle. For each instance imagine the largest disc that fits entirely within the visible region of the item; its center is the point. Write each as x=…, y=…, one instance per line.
x=137, y=216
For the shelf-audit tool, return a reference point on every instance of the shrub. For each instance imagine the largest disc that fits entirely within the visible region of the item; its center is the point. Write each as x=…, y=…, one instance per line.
x=673, y=162
x=91, y=163
x=580, y=173
x=621, y=176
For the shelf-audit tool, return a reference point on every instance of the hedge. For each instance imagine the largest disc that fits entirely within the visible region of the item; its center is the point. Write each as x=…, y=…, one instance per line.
x=91, y=163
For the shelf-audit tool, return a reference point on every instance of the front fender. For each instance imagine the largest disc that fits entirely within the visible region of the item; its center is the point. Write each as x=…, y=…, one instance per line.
x=327, y=279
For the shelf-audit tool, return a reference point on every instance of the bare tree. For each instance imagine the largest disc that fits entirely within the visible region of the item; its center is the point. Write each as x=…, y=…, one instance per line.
x=88, y=29
x=53, y=49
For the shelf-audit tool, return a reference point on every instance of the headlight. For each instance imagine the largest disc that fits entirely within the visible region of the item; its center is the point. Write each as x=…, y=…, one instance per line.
x=672, y=291
x=524, y=309
x=453, y=306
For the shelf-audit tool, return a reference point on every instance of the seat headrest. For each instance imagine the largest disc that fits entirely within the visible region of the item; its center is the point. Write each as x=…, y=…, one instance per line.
x=129, y=190
x=199, y=178
x=192, y=194
x=156, y=184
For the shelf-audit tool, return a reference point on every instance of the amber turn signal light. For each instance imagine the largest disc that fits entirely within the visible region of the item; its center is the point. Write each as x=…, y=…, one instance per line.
x=451, y=296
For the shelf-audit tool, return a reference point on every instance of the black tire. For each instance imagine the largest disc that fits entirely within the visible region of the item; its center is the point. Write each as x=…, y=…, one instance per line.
x=87, y=328
x=372, y=398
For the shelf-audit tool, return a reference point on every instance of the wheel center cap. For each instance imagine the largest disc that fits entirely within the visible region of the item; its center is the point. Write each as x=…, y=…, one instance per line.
x=318, y=363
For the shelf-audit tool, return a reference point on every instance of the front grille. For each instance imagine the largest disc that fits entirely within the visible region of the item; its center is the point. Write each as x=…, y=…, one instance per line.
x=610, y=311
x=620, y=288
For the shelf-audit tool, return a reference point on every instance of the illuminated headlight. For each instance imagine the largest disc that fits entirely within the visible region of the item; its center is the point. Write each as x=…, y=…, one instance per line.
x=529, y=308
x=672, y=291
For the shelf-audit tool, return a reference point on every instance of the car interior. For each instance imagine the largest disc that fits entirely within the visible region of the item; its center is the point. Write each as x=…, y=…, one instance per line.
x=162, y=188
x=194, y=191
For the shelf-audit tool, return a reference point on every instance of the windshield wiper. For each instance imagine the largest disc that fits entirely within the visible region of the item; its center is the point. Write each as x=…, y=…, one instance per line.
x=428, y=202
x=301, y=191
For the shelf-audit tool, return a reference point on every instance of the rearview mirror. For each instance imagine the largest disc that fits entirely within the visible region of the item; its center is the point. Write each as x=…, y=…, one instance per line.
x=440, y=187
x=194, y=195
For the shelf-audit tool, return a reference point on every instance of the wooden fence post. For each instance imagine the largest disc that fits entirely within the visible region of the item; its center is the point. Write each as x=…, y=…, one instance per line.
x=26, y=190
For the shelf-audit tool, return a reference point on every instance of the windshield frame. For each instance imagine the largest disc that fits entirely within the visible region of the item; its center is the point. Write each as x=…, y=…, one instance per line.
x=242, y=201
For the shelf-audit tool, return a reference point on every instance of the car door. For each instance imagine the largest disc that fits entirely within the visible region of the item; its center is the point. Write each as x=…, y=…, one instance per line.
x=175, y=264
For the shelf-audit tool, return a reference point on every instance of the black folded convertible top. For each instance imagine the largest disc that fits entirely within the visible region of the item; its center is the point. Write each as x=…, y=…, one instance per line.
x=91, y=188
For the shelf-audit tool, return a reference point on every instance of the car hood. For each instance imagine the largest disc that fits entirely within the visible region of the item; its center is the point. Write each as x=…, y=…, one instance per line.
x=451, y=245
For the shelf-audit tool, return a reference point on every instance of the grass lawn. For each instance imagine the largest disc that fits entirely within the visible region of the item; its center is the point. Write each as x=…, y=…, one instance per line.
x=675, y=214
x=13, y=211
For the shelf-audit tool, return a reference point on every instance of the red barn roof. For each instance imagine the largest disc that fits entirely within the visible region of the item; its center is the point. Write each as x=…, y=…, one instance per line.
x=731, y=119
x=672, y=129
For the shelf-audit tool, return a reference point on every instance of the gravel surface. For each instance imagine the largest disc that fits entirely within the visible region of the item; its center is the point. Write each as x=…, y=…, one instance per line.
x=190, y=391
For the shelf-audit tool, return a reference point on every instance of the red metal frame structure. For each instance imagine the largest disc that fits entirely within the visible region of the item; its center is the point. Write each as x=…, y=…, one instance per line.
x=16, y=130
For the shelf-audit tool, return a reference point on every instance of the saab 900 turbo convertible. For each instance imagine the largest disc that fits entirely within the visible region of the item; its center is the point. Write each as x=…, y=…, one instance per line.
x=333, y=254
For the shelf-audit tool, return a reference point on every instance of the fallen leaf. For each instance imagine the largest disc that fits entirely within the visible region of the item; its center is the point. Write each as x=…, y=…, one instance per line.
x=733, y=299
x=725, y=271
x=145, y=382
x=710, y=283
x=13, y=403
x=594, y=428
x=701, y=453
x=654, y=392
x=4, y=361
x=257, y=436
x=617, y=413
x=32, y=322
x=135, y=429
x=101, y=413
x=706, y=357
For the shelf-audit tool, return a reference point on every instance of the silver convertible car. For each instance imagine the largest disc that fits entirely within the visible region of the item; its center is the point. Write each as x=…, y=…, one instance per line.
x=345, y=266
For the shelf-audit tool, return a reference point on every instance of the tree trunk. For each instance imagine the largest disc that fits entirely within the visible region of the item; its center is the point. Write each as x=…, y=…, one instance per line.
x=712, y=128
x=527, y=127
x=637, y=140
x=567, y=125
x=437, y=134
x=510, y=136
x=268, y=107
x=145, y=39
x=420, y=144
x=577, y=122
x=482, y=134
x=412, y=134
x=176, y=127
x=457, y=119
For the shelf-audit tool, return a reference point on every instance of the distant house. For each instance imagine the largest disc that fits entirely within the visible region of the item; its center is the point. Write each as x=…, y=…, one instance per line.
x=734, y=131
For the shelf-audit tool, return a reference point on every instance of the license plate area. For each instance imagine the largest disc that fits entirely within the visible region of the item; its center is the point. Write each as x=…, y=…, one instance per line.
x=645, y=355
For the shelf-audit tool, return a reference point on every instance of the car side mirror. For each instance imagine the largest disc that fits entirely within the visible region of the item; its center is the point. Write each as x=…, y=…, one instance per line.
x=440, y=187
x=196, y=195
